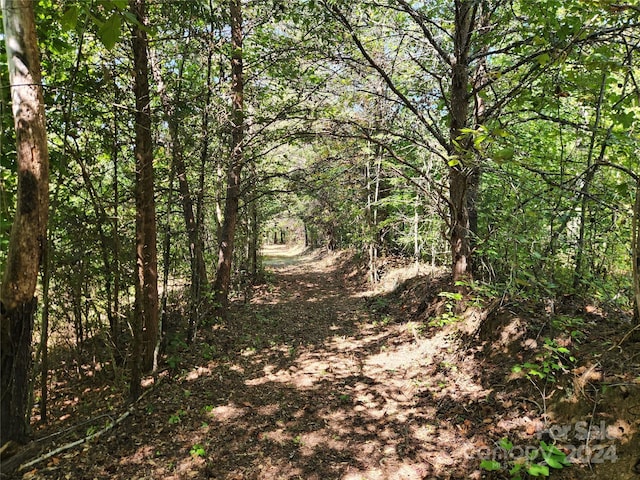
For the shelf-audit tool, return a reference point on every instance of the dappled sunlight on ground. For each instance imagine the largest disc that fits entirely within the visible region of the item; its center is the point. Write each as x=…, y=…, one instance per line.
x=351, y=398
x=312, y=381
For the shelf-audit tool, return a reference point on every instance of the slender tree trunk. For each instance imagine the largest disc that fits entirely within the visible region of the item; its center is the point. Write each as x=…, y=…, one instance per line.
x=198, y=268
x=370, y=233
x=146, y=305
x=105, y=243
x=196, y=291
x=254, y=236
x=225, y=249
x=44, y=331
x=115, y=326
x=635, y=252
x=373, y=193
x=462, y=175
x=28, y=233
x=166, y=262
x=199, y=280
x=416, y=230
x=584, y=191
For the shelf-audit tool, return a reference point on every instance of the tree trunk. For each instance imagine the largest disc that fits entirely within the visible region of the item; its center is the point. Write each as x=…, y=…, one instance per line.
x=225, y=249
x=146, y=305
x=584, y=191
x=198, y=267
x=44, y=330
x=200, y=214
x=115, y=326
x=28, y=233
x=199, y=280
x=635, y=253
x=254, y=240
x=166, y=263
x=462, y=173
x=373, y=234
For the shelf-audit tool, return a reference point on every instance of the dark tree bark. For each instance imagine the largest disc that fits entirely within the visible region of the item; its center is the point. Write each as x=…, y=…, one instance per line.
x=146, y=305
x=253, y=232
x=635, y=253
x=28, y=233
x=225, y=248
x=44, y=331
x=199, y=279
x=196, y=290
x=115, y=325
x=198, y=268
x=464, y=175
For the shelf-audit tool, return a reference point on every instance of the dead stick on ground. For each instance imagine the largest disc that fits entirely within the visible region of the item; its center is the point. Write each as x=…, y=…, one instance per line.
x=68, y=446
x=86, y=439
x=624, y=338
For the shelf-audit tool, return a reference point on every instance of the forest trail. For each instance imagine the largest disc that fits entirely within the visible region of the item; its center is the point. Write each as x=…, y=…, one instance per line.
x=311, y=378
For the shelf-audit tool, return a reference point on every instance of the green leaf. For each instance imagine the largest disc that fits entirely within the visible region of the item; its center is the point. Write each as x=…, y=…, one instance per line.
x=120, y=4
x=490, y=465
x=504, y=155
x=536, y=470
x=537, y=373
x=198, y=451
x=553, y=462
x=70, y=18
x=516, y=468
x=131, y=18
x=624, y=119
x=543, y=59
x=622, y=189
x=553, y=456
x=506, y=444
x=451, y=295
x=109, y=32
x=499, y=132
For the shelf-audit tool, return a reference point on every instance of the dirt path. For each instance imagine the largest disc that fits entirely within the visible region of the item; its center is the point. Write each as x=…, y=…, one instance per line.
x=316, y=383
x=326, y=393
x=311, y=379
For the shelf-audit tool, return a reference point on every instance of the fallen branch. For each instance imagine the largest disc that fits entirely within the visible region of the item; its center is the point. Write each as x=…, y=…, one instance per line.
x=88, y=438
x=628, y=334
x=69, y=446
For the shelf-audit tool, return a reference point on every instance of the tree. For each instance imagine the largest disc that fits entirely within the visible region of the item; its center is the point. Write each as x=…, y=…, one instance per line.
x=28, y=233
x=146, y=323
x=232, y=201
x=464, y=173
x=456, y=67
x=199, y=280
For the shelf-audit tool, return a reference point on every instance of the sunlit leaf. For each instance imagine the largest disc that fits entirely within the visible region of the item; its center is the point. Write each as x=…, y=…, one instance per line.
x=109, y=32
x=537, y=470
x=490, y=465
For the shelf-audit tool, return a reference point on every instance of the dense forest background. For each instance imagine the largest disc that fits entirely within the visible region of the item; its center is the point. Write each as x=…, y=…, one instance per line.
x=496, y=139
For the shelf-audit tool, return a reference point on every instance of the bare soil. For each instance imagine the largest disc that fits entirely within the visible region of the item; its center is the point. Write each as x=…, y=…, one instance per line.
x=313, y=376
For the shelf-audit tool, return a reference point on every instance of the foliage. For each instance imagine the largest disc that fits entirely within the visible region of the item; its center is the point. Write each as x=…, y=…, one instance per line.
x=198, y=451
x=346, y=146
x=552, y=361
x=448, y=316
x=177, y=417
x=536, y=463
